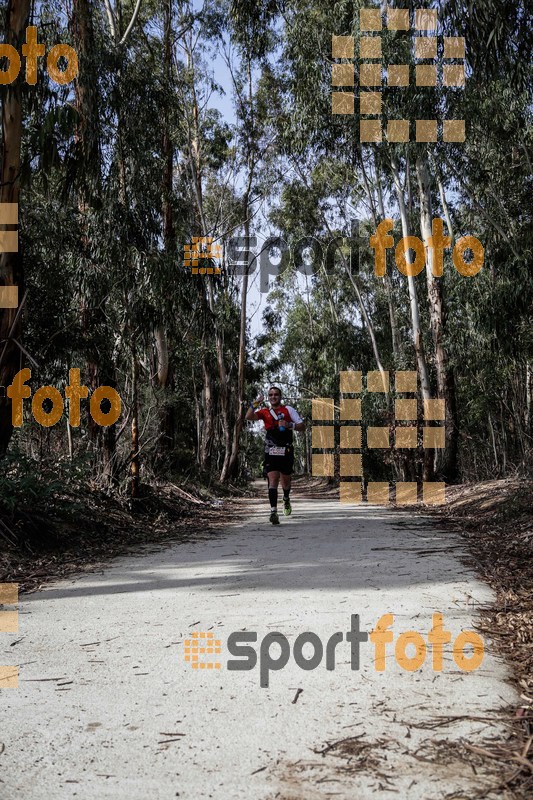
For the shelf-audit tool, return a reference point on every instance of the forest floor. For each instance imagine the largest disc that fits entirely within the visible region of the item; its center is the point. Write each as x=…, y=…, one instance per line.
x=81, y=528
x=495, y=520
x=120, y=714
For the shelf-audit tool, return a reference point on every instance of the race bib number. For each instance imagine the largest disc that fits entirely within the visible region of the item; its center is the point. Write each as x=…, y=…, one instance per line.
x=277, y=451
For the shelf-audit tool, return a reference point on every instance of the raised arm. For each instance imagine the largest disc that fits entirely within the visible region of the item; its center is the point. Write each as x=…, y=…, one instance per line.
x=250, y=414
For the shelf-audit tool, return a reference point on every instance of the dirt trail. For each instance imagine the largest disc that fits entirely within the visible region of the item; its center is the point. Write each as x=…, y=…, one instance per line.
x=107, y=706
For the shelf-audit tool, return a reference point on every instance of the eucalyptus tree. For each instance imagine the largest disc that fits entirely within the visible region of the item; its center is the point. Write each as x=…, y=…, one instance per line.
x=11, y=268
x=467, y=183
x=251, y=32
x=205, y=148
x=309, y=137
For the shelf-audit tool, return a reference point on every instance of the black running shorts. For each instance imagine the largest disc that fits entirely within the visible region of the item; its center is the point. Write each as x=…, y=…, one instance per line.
x=283, y=464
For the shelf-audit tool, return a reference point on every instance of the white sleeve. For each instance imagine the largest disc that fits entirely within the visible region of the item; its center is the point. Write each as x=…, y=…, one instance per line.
x=295, y=417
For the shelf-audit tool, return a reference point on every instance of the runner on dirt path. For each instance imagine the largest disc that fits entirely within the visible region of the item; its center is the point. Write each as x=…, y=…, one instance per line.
x=280, y=421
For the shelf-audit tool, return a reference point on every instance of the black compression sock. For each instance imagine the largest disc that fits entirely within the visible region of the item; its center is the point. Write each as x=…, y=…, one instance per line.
x=286, y=493
x=273, y=498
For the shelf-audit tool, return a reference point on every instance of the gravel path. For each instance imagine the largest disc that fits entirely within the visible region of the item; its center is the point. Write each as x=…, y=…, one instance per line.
x=107, y=707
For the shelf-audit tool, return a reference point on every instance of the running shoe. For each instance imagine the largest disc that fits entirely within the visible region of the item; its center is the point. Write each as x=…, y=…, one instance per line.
x=274, y=519
x=287, y=508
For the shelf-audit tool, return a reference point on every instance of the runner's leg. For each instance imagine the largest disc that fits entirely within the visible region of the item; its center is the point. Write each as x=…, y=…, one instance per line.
x=273, y=481
x=286, y=486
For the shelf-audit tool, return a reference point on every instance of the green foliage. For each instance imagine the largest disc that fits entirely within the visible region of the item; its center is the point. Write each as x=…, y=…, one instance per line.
x=102, y=234
x=25, y=482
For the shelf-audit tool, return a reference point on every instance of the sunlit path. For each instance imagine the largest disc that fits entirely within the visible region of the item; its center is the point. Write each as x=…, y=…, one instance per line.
x=104, y=683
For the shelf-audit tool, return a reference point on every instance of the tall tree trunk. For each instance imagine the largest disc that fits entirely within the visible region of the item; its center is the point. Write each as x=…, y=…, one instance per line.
x=164, y=372
x=135, y=461
x=11, y=269
x=415, y=313
x=387, y=283
x=205, y=295
x=208, y=424
x=437, y=316
x=233, y=463
x=528, y=398
x=164, y=381
x=413, y=298
x=443, y=201
x=87, y=136
x=232, y=466
x=225, y=411
x=100, y=369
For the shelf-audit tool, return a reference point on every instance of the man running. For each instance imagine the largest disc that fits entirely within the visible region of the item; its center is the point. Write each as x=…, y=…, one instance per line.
x=280, y=421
